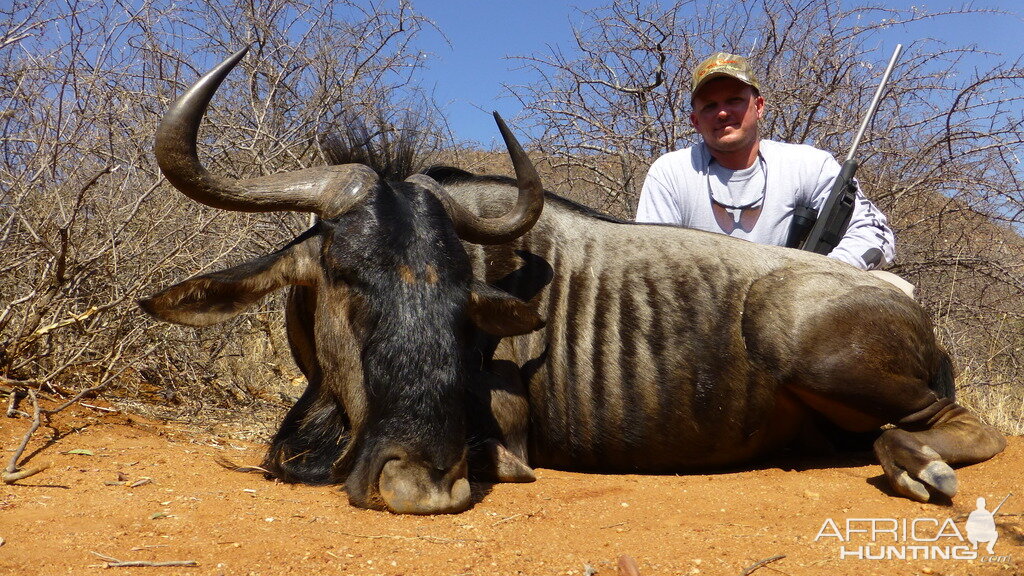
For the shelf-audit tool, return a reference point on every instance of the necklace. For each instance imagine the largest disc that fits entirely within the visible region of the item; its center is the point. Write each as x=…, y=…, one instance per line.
x=730, y=215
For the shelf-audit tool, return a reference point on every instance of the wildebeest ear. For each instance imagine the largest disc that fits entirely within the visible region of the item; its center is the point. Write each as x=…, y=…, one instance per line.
x=499, y=313
x=219, y=296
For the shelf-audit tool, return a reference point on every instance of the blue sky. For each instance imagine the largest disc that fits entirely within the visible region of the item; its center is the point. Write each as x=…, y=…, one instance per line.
x=466, y=77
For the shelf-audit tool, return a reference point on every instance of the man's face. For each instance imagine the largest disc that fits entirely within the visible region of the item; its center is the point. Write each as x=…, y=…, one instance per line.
x=725, y=113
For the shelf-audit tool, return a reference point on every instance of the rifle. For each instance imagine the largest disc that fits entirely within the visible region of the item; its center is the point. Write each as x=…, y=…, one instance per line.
x=823, y=232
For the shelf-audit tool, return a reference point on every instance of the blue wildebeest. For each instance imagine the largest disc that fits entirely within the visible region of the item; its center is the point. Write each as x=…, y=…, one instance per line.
x=664, y=349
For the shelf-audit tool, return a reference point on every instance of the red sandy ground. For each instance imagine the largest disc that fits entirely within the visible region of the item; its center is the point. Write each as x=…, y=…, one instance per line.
x=186, y=507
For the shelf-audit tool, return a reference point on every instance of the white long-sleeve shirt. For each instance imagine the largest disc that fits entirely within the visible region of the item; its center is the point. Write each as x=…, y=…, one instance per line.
x=680, y=186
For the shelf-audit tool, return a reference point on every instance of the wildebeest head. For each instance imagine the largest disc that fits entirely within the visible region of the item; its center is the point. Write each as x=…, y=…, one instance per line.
x=387, y=293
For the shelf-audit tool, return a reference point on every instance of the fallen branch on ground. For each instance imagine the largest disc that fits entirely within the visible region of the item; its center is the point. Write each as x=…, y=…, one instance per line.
x=761, y=564
x=99, y=408
x=115, y=563
x=234, y=467
x=12, y=477
x=514, y=516
x=435, y=539
x=140, y=564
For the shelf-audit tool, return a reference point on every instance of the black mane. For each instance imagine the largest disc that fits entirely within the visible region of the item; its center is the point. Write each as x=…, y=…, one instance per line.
x=394, y=150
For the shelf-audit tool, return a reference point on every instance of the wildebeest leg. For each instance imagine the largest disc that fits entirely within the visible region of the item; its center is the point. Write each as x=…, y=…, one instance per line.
x=498, y=422
x=932, y=431
x=916, y=456
x=865, y=357
x=312, y=436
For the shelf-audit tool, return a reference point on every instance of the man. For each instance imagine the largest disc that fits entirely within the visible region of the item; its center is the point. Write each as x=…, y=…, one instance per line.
x=735, y=183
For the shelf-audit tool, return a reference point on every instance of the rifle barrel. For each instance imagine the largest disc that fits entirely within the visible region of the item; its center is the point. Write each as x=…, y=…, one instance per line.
x=874, y=101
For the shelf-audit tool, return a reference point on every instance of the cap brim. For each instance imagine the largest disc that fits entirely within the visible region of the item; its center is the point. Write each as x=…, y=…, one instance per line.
x=716, y=75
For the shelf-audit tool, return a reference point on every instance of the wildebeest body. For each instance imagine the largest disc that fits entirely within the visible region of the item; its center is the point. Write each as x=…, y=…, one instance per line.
x=669, y=349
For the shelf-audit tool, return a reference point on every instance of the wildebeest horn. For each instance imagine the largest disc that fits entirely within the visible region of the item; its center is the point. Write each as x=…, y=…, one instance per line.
x=326, y=191
x=515, y=222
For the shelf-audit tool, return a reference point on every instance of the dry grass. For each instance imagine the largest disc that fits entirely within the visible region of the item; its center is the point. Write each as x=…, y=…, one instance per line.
x=1000, y=405
x=987, y=365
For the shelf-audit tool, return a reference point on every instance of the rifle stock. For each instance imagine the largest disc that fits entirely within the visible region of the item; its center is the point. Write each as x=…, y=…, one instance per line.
x=830, y=227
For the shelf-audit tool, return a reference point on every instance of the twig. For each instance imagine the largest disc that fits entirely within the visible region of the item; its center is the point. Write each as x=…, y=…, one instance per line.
x=16, y=382
x=230, y=465
x=77, y=397
x=503, y=520
x=761, y=564
x=98, y=408
x=141, y=563
x=112, y=562
x=71, y=319
x=11, y=473
x=55, y=388
x=435, y=539
x=514, y=516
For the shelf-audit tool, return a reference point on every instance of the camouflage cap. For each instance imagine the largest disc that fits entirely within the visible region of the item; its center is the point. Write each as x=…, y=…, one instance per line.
x=722, y=64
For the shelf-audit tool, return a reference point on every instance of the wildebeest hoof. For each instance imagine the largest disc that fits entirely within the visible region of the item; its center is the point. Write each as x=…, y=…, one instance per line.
x=937, y=475
x=507, y=467
x=940, y=476
x=910, y=488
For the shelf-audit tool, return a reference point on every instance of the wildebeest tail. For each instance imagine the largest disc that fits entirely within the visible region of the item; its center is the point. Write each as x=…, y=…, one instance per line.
x=943, y=382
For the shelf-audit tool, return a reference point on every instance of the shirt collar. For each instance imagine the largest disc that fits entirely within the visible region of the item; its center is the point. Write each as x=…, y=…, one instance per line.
x=706, y=157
